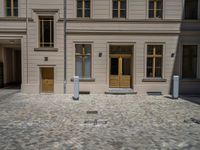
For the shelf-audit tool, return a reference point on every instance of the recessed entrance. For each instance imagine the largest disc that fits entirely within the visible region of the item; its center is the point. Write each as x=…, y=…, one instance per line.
x=47, y=80
x=10, y=64
x=120, y=66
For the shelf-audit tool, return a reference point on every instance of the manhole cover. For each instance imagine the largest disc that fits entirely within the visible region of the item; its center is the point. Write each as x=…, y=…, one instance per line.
x=92, y=112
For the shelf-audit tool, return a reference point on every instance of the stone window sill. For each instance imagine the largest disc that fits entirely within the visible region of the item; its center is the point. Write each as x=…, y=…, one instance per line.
x=190, y=80
x=46, y=49
x=84, y=80
x=154, y=80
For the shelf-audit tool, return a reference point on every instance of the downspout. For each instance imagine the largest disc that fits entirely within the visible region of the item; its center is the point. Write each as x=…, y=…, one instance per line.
x=27, y=41
x=65, y=46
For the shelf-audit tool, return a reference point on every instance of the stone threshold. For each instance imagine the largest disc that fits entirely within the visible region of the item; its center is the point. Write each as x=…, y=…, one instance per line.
x=120, y=91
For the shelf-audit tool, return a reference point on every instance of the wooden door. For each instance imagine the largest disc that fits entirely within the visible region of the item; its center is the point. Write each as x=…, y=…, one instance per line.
x=120, y=71
x=47, y=80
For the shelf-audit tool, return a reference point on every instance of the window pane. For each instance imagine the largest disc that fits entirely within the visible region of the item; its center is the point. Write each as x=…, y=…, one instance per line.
x=87, y=67
x=87, y=13
x=79, y=4
x=79, y=13
x=15, y=3
x=79, y=66
x=158, y=73
x=115, y=14
x=191, y=9
x=87, y=3
x=122, y=13
x=151, y=13
x=114, y=66
x=149, y=72
x=8, y=12
x=189, y=68
x=150, y=49
x=87, y=49
x=115, y=4
x=159, y=49
x=8, y=3
x=149, y=62
x=79, y=48
x=159, y=4
x=16, y=12
x=159, y=14
x=123, y=4
x=46, y=31
x=151, y=4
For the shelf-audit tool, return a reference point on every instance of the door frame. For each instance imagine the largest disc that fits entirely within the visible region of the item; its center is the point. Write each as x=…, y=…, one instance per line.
x=40, y=78
x=133, y=58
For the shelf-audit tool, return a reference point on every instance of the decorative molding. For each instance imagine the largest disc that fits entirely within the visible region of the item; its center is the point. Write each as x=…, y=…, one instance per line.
x=45, y=49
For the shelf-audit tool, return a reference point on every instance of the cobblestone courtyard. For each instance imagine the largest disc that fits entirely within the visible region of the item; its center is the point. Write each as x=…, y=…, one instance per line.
x=126, y=122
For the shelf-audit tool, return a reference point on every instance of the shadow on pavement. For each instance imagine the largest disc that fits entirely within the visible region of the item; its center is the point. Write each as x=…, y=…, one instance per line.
x=191, y=98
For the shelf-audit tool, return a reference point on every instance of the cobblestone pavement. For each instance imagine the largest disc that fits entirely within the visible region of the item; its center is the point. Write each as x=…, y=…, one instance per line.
x=56, y=122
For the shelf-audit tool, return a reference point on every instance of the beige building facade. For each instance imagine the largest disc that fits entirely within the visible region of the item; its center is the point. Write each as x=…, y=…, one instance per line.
x=129, y=45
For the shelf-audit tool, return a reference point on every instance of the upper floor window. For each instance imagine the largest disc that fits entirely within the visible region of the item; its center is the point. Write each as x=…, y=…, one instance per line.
x=83, y=60
x=46, y=28
x=154, y=61
x=12, y=8
x=155, y=8
x=189, y=66
x=119, y=8
x=191, y=9
x=83, y=8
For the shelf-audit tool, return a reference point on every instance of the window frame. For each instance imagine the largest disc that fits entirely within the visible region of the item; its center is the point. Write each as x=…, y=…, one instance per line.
x=119, y=10
x=198, y=62
x=155, y=9
x=52, y=44
x=91, y=59
x=12, y=8
x=163, y=60
x=83, y=9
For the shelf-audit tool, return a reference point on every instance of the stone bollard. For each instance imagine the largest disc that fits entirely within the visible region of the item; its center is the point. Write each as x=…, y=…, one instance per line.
x=76, y=88
x=175, y=93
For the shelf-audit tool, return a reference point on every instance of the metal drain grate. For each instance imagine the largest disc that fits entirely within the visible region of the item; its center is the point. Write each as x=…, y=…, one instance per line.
x=95, y=122
x=194, y=120
x=92, y=112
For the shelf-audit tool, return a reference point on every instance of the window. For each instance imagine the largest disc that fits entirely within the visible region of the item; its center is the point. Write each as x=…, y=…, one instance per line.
x=12, y=8
x=189, y=67
x=191, y=9
x=83, y=8
x=154, y=61
x=83, y=60
x=119, y=8
x=46, y=27
x=155, y=8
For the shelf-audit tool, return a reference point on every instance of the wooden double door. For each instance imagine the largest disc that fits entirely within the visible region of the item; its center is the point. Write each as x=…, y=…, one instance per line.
x=47, y=80
x=120, y=71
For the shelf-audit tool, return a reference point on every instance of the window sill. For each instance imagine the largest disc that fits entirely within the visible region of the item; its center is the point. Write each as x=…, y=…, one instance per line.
x=154, y=80
x=84, y=80
x=45, y=49
x=190, y=80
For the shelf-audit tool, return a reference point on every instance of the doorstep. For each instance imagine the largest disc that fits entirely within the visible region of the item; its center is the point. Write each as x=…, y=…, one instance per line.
x=120, y=91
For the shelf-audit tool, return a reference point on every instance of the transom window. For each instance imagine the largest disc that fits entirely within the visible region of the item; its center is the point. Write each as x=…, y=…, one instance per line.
x=12, y=8
x=83, y=60
x=189, y=67
x=191, y=9
x=46, y=28
x=119, y=8
x=154, y=61
x=155, y=8
x=83, y=8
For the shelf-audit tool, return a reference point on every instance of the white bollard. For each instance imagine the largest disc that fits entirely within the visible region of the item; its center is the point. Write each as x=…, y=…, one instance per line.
x=76, y=88
x=175, y=87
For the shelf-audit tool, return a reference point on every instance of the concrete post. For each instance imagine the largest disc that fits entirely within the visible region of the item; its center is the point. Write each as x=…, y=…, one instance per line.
x=175, y=87
x=76, y=88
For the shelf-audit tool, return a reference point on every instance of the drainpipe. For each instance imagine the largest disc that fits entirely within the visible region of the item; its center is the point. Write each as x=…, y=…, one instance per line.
x=65, y=46
x=27, y=41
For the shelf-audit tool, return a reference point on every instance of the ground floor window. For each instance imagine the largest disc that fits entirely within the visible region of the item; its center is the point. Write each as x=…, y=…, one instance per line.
x=154, y=61
x=83, y=60
x=189, y=65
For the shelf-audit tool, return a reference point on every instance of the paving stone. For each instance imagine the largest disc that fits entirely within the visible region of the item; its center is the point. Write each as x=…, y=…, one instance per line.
x=56, y=122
